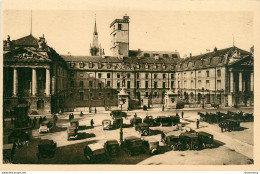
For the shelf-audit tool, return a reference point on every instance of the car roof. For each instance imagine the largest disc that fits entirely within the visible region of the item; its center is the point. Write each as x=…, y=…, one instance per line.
x=143, y=124
x=106, y=120
x=174, y=133
x=204, y=133
x=162, y=116
x=191, y=135
x=96, y=146
x=112, y=141
x=132, y=138
x=151, y=140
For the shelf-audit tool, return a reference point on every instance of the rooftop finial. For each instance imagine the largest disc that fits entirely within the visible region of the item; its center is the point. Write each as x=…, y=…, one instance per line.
x=31, y=22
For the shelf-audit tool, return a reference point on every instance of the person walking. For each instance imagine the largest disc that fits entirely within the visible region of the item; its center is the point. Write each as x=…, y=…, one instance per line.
x=182, y=114
x=40, y=120
x=92, y=123
x=95, y=110
x=222, y=127
x=198, y=123
x=162, y=107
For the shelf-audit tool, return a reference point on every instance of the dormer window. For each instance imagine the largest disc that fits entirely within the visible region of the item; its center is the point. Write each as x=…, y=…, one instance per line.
x=146, y=55
x=155, y=66
x=146, y=66
x=165, y=55
x=137, y=66
x=156, y=56
x=99, y=65
x=172, y=67
x=81, y=65
x=72, y=65
x=108, y=65
x=202, y=62
x=193, y=64
x=210, y=59
x=164, y=66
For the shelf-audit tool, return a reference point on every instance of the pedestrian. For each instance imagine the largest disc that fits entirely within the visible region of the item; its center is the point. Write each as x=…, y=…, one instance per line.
x=222, y=127
x=95, y=110
x=162, y=136
x=162, y=107
x=92, y=123
x=182, y=114
x=40, y=120
x=198, y=123
x=135, y=115
x=81, y=113
x=177, y=115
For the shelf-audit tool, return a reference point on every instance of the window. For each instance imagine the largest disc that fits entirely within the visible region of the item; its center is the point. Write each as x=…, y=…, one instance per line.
x=109, y=66
x=118, y=75
x=90, y=84
x=128, y=76
x=179, y=84
x=191, y=74
x=128, y=84
x=99, y=94
x=165, y=55
x=99, y=65
x=185, y=84
x=99, y=75
x=155, y=76
x=90, y=75
x=172, y=76
x=164, y=85
x=146, y=94
x=99, y=85
x=118, y=84
x=219, y=84
x=219, y=72
x=184, y=75
x=174, y=56
x=81, y=84
x=119, y=26
x=81, y=74
x=155, y=94
x=138, y=84
x=137, y=75
x=108, y=83
x=199, y=83
x=146, y=84
x=72, y=84
x=164, y=66
x=146, y=66
x=108, y=95
x=155, y=85
x=192, y=84
x=81, y=65
x=146, y=55
x=207, y=84
x=172, y=67
x=72, y=65
x=155, y=66
x=164, y=76
x=207, y=73
x=81, y=96
x=146, y=76
x=199, y=74
x=172, y=84
x=137, y=66
x=108, y=75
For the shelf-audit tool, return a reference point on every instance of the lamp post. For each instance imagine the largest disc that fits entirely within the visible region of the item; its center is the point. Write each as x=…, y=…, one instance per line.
x=122, y=101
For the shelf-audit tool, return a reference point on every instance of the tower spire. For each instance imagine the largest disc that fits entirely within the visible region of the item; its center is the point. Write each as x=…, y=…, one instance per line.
x=31, y=22
x=95, y=28
x=233, y=40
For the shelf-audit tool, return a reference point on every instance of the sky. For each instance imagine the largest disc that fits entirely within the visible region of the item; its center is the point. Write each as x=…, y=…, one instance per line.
x=185, y=31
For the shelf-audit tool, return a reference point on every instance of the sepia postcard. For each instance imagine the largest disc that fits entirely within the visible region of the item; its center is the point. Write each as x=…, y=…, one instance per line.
x=120, y=85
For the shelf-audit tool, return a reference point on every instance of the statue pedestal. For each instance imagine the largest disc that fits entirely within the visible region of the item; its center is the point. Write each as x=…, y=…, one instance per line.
x=170, y=100
x=123, y=102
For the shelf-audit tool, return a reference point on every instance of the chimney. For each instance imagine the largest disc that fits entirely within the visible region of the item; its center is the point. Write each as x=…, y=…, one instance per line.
x=215, y=49
x=190, y=55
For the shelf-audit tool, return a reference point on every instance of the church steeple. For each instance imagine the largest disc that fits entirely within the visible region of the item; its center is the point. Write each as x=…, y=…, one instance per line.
x=95, y=49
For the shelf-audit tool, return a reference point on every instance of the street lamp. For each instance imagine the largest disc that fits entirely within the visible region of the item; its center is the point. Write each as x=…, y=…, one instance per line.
x=121, y=102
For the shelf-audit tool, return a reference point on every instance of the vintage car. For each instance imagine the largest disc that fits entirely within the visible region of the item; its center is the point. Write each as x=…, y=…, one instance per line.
x=8, y=153
x=143, y=128
x=112, y=148
x=170, y=139
x=94, y=152
x=135, y=121
x=46, y=148
x=230, y=124
x=72, y=132
x=205, y=138
x=118, y=113
x=107, y=124
x=18, y=137
x=166, y=121
x=151, y=145
x=190, y=141
x=175, y=119
x=150, y=120
x=117, y=122
x=46, y=127
x=133, y=145
x=74, y=123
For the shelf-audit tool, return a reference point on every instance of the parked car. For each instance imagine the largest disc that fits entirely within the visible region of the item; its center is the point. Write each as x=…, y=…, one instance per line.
x=112, y=148
x=74, y=123
x=230, y=124
x=46, y=148
x=118, y=113
x=107, y=124
x=94, y=152
x=150, y=120
x=143, y=128
x=151, y=145
x=166, y=121
x=205, y=138
x=171, y=140
x=8, y=153
x=46, y=127
x=133, y=145
x=190, y=140
x=72, y=132
x=18, y=137
x=135, y=121
x=175, y=119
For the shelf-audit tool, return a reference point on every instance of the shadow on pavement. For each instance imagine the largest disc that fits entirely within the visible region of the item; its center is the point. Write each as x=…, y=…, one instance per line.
x=155, y=132
x=83, y=135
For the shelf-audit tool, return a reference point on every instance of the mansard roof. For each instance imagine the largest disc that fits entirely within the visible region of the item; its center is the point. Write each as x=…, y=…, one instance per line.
x=212, y=59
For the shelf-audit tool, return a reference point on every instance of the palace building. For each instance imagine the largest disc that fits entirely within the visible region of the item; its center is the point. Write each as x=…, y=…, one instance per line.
x=47, y=82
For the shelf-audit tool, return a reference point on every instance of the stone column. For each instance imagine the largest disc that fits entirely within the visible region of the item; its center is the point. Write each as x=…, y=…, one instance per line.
x=15, y=83
x=251, y=81
x=240, y=81
x=34, y=82
x=231, y=82
x=48, y=84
